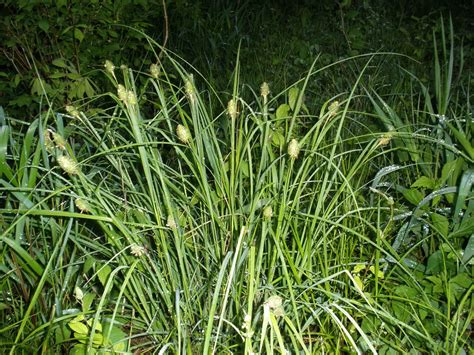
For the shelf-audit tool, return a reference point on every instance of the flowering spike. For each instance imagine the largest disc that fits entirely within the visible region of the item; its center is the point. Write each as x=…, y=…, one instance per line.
x=155, y=70
x=293, y=149
x=122, y=93
x=232, y=109
x=109, y=66
x=68, y=165
x=264, y=90
x=183, y=134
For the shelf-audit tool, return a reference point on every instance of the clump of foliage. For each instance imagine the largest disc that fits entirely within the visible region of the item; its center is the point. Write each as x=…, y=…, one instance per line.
x=188, y=220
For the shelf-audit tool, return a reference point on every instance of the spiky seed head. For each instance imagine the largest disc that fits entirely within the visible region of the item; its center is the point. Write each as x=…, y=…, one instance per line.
x=268, y=213
x=68, y=165
x=122, y=93
x=264, y=89
x=275, y=303
x=59, y=141
x=109, y=66
x=155, y=70
x=82, y=205
x=131, y=98
x=171, y=223
x=72, y=111
x=293, y=149
x=48, y=142
x=137, y=250
x=232, y=109
x=189, y=88
x=333, y=108
x=183, y=134
x=384, y=140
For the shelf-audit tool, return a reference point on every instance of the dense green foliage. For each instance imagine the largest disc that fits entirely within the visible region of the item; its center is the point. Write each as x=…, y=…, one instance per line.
x=154, y=207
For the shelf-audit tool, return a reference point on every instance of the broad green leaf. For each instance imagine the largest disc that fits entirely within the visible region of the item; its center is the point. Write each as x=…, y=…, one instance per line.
x=466, y=228
x=277, y=138
x=88, y=264
x=87, y=301
x=104, y=273
x=78, y=34
x=79, y=327
x=462, y=279
x=441, y=223
x=424, y=182
x=413, y=196
x=282, y=112
x=469, y=251
x=44, y=25
x=293, y=97
x=59, y=62
x=435, y=263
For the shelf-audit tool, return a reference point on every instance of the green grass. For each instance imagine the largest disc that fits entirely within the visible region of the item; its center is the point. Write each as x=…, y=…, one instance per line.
x=181, y=223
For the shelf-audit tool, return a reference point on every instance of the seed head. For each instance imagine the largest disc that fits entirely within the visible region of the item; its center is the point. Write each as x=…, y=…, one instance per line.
x=155, y=70
x=232, y=109
x=384, y=140
x=268, y=213
x=189, y=88
x=68, y=165
x=59, y=141
x=183, y=134
x=72, y=111
x=333, y=108
x=82, y=205
x=122, y=93
x=131, y=98
x=264, y=90
x=137, y=250
x=48, y=142
x=275, y=303
x=171, y=223
x=293, y=149
x=109, y=66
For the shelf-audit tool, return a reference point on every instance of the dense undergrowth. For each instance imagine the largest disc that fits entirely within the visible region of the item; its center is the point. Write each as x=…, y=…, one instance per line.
x=183, y=220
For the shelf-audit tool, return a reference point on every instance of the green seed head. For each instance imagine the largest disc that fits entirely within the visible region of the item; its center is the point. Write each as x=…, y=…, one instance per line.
x=232, y=109
x=137, y=250
x=333, y=108
x=131, y=98
x=48, y=142
x=268, y=213
x=183, y=134
x=293, y=149
x=59, y=141
x=189, y=88
x=264, y=90
x=171, y=223
x=72, y=111
x=109, y=66
x=122, y=93
x=82, y=205
x=68, y=165
x=155, y=71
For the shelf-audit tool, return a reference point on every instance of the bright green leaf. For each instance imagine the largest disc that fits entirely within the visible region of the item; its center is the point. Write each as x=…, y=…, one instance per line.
x=282, y=112
x=424, y=182
x=78, y=34
x=44, y=25
x=78, y=327
x=441, y=223
x=104, y=273
x=413, y=196
x=293, y=97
